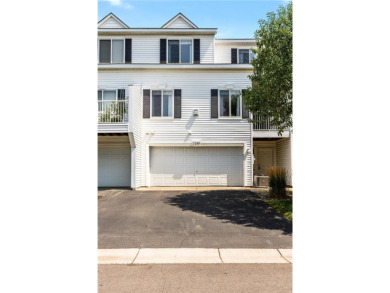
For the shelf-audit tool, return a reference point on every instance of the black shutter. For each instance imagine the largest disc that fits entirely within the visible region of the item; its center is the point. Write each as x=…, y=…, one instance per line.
x=214, y=104
x=121, y=94
x=245, y=112
x=163, y=51
x=177, y=104
x=146, y=104
x=234, y=56
x=128, y=51
x=196, y=51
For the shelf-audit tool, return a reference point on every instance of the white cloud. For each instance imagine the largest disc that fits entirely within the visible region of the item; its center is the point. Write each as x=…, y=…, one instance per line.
x=120, y=3
x=114, y=2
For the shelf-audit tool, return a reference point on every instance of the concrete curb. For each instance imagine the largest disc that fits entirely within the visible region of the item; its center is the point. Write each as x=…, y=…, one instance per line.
x=193, y=255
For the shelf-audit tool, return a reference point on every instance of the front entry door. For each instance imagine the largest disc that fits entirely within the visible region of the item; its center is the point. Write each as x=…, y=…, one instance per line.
x=264, y=160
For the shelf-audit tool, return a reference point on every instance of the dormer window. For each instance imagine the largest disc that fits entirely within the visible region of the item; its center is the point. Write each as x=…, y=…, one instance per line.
x=179, y=51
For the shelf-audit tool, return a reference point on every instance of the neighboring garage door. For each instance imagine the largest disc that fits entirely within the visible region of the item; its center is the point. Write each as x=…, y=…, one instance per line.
x=196, y=166
x=114, y=166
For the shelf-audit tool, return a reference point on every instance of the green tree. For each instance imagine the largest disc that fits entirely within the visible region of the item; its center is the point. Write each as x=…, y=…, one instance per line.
x=270, y=96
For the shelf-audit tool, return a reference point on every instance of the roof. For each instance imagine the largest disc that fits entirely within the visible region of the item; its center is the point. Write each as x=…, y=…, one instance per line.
x=112, y=15
x=177, y=16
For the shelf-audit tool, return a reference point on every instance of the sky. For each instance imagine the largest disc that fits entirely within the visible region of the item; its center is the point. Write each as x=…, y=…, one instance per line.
x=234, y=19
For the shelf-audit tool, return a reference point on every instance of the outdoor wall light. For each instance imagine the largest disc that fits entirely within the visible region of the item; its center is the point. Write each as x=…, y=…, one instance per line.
x=196, y=113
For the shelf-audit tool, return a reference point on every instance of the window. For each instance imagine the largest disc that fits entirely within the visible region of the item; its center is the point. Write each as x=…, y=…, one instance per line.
x=186, y=51
x=173, y=51
x=230, y=103
x=111, y=51
x=245, y=56
x=106, y=97
x=162, y=103
x=179, y=51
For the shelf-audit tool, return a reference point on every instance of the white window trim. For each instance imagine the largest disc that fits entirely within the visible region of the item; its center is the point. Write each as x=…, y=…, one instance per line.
x=116, y=94
x=111, y=39
x=184, y=39
x=230, y=105
x=162, y=104
x=109, y=90
x=238, y=55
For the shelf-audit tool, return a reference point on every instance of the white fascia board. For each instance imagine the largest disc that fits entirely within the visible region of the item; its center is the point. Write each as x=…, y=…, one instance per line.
x=157, y=31
x=177, y=66
x=235, y=41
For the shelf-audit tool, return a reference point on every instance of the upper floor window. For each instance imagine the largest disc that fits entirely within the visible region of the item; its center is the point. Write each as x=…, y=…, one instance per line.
x=111, y=51
x=179, y=51
x=229, y=103
x=162, y=103
x=245, y=56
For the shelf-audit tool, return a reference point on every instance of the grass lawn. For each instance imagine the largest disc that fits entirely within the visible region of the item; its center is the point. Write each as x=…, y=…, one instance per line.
x=283, y=206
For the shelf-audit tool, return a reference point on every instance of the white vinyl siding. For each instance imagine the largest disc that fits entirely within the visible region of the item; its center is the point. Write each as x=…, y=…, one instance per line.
x=146, y=49
x=223, y=51
x=283, y=157
x=195, y=88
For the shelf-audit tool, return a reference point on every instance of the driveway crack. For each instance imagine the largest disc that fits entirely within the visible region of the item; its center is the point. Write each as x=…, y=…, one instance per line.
x=283, y=256
x=220, y=257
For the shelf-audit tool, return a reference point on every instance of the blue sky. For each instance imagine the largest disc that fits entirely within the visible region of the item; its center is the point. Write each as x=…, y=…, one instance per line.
x=234, y=19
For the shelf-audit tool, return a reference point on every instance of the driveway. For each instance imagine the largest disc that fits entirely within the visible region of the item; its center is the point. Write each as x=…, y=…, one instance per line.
x=204, y=219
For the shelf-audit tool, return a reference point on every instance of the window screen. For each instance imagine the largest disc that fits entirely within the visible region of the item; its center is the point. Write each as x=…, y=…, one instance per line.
x=243, y=56
x=173, y=51
x=117, y=51
x=105, y=51
x=167, y=103
x=186, y=51
x=224, y=103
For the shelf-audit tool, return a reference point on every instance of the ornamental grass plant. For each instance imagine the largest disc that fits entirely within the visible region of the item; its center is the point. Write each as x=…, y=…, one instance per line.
x=277, y=182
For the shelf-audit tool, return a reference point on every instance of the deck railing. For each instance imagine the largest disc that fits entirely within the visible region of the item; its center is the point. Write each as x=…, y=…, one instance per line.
x=113, y=111
x=262, y=126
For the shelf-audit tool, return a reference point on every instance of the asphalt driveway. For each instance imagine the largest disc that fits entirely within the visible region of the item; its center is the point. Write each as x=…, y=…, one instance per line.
x=204, y=219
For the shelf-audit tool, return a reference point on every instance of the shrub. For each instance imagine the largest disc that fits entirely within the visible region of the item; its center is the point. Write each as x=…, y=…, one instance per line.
x=277, y=182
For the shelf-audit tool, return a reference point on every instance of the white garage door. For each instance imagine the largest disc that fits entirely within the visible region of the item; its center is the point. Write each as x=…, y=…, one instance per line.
x=114, y=166
x=190, y=166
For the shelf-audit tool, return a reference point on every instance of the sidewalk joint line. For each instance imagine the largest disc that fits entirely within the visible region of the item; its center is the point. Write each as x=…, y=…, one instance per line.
x=139, y=249
x=282, y=255
x=220, y=257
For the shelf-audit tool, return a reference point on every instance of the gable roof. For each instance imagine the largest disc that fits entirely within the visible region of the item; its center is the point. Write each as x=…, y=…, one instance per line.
x=111, y=21
x=180, y=20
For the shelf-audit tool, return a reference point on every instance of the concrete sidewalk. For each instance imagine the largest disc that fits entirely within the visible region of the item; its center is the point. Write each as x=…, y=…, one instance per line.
x=195, y=278
x=193, y=256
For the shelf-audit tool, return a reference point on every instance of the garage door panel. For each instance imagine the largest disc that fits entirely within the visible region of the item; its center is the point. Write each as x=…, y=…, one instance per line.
x=114, y=167
x=191, y=166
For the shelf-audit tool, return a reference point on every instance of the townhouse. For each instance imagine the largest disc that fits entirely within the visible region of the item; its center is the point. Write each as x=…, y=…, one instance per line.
x=170, y=110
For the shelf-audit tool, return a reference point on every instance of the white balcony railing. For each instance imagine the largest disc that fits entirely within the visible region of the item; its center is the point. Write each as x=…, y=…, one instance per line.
x=113, y=111
x=262, y=126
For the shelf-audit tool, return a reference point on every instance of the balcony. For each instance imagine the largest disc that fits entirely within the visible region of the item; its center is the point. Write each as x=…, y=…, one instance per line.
x=266, y=130
x=113, y=116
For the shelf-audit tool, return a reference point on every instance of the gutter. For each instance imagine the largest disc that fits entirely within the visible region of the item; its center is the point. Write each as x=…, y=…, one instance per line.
x=157, y=31
x=177, y=66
